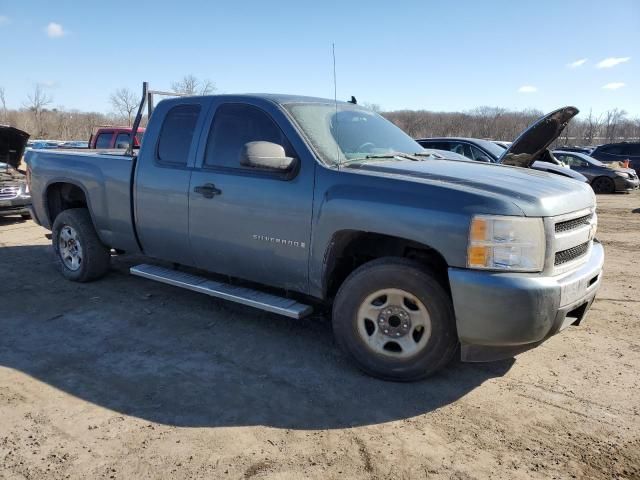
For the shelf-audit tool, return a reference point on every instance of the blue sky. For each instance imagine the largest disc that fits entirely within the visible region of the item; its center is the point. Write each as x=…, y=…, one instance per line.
x=434, y=55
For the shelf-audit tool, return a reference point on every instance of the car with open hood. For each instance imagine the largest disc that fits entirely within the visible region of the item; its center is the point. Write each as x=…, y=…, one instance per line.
x=529, y=150
x=308, y=203
x=14, y=194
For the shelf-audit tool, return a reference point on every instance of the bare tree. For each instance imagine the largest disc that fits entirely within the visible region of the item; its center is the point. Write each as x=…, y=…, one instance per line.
x=191, y=85
x=124, y=102
x=3, y=101
x=36, y=103
x=612, y=120
x=372, y=106
x=591, y=127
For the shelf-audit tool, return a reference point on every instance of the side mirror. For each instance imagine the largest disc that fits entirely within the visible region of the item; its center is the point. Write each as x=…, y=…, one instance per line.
x=265, y=155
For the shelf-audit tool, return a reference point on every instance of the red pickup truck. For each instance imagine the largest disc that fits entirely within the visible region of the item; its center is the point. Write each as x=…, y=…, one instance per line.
x=114, y=137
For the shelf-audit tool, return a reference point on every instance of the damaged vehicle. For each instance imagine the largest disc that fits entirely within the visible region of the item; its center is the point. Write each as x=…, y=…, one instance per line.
x=15, y=198
x=535, y=139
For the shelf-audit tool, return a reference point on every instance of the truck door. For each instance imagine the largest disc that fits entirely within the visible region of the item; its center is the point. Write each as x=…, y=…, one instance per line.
x=162, y=179
x=245, y=222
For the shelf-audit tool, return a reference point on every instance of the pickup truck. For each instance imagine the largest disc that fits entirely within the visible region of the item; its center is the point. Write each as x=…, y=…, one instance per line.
x=296, y=203
x=105, y=138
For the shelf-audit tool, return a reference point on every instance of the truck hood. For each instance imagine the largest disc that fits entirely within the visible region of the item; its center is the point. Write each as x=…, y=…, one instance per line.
x=536, y=139
x=535, y=193
x=12, y=144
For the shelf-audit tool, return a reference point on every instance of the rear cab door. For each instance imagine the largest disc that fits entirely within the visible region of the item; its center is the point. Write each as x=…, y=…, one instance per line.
x=162, y=178
x=256, y=224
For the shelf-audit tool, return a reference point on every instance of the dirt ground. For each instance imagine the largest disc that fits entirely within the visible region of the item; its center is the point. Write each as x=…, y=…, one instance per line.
x=126, y=378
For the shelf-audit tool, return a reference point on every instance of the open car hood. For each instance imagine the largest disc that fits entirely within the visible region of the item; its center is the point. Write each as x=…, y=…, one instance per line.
x=531, y=143
x=12, y=144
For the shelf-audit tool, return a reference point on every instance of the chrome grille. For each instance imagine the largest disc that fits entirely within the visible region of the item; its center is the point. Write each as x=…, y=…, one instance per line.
x=574, y=223
x=570, y=254
x=572, y=239
x=9, y=192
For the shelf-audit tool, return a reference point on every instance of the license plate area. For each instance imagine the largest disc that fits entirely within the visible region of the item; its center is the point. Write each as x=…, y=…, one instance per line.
x=576, y=289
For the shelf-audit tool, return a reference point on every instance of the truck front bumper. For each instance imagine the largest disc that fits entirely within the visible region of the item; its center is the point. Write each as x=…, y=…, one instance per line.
x=499, y=315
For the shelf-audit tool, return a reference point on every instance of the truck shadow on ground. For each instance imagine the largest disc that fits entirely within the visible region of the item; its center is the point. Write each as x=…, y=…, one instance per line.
x=179, y=358
x=11, y=220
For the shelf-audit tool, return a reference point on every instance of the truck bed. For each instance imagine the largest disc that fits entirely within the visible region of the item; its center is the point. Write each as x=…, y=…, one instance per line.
x=105, y=179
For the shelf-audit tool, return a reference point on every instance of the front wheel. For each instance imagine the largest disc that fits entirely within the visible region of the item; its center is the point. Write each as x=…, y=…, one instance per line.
x=80, y=255
x=603, y=185
x=395, y=320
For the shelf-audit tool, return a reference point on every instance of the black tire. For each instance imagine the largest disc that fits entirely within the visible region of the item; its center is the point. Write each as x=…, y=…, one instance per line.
x=603, y=185
x=95, y=256
x=395, y=273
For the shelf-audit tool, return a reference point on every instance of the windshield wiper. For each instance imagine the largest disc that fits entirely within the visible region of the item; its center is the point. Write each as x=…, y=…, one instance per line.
x=382, y=156
x=427, y=154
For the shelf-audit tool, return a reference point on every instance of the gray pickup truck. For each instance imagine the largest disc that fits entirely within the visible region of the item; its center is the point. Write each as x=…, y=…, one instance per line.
x=290, y=203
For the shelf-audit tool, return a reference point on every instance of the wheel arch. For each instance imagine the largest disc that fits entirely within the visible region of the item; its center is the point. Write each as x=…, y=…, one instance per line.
x=349, y=249
x=62, y=195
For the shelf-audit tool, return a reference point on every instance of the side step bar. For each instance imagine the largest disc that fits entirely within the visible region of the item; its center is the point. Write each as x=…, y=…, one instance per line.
x=243, y=295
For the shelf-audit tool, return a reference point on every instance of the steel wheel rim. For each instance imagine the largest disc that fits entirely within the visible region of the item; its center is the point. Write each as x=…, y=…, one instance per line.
x=394, y=323
x=602, y=185
x=69, y=248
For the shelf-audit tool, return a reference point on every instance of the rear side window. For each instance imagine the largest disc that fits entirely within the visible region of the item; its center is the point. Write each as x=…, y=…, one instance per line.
x=235, y=125
x=435, y=145
x=104, y=140
x=123, y=138
x=631, y=149
x=176, y=134
x=612, y=149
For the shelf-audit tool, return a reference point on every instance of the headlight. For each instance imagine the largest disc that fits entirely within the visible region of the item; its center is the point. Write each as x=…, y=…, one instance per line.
x=514, y=244
x=623, y=174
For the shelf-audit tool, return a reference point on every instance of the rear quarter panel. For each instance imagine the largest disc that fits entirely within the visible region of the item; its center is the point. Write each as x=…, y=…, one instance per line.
x=105, y=181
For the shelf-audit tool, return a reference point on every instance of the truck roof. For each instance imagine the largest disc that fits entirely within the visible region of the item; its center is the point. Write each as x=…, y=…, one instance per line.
x=277, y=98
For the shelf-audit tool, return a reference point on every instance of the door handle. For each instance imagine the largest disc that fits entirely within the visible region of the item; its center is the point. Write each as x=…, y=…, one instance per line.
x=208, y=190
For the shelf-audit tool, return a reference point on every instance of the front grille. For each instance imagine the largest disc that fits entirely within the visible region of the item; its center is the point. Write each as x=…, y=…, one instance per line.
x=9, y=192
x=572, y=253
x=574, y=223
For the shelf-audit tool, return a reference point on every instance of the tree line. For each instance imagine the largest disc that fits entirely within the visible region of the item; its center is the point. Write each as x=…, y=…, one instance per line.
x=502, y=124
x=41, y=120
x=38, y=117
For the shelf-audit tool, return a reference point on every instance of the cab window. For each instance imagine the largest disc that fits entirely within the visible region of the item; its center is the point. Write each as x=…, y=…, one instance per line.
x=233, y=126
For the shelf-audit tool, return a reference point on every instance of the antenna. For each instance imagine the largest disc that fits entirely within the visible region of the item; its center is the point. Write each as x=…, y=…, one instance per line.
x=335, y=101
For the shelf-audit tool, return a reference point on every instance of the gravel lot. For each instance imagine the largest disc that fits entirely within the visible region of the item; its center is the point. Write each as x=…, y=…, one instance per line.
x=126, y=378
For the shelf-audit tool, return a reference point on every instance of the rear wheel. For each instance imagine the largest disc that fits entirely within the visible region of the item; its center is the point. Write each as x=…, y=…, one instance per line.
x=80, y=255
x=395, y=320
x=603, y=185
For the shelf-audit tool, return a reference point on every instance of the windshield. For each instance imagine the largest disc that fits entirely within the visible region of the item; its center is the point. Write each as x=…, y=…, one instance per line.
x=348, y=132
x=494, y=149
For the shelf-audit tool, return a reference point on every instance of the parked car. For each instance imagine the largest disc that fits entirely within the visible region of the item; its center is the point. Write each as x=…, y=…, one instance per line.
x=43, y=144
x=14, y=193
x=327, y=203
x=578, y=149
x=619, y=152
x=603, y=178
x=489, y=151
x=74, y=144
x=105, y=138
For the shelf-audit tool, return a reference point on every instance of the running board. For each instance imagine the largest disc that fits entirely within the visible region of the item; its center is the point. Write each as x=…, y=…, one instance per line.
x=243, y=295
